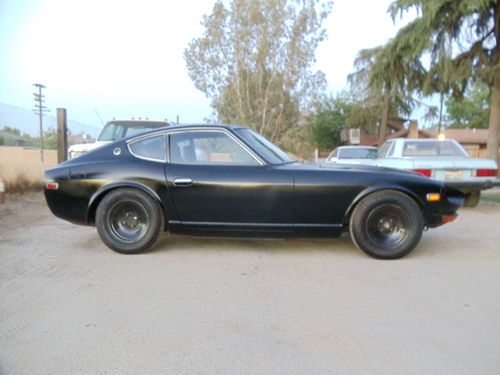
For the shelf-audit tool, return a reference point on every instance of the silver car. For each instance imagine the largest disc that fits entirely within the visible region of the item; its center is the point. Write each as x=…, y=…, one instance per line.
x=443, y=160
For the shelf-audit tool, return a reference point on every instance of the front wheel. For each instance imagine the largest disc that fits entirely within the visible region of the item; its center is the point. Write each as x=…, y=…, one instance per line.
x=129, y=221
x=386, y=224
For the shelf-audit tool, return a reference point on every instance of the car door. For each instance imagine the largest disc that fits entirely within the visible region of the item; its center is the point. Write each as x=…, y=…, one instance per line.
x=216, y=180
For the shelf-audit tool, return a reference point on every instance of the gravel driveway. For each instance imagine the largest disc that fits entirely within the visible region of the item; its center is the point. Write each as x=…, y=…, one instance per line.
x=69, y=305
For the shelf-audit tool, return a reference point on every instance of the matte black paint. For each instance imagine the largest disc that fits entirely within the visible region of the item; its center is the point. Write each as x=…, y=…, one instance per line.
x=274, y=200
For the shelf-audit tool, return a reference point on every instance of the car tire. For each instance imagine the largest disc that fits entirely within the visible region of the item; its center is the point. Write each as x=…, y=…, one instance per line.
x=472, y=198
x=129, y=221
x=386, y=225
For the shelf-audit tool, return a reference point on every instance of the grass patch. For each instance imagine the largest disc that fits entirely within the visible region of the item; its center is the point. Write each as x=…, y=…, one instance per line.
x=22, y=184
x=495, y=198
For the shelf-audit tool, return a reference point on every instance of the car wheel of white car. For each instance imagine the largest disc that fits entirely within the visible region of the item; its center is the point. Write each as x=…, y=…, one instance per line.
x=472, y=198
x=386, y=225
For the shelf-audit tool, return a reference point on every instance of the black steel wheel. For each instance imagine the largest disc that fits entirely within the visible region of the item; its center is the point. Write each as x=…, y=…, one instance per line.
x=386, y=224
x=129, y=221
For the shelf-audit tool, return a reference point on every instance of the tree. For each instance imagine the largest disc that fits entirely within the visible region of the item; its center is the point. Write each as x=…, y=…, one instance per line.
x=386, y=80
x=469, y=33
x=2, y=140
x=329, y=120
x=254, y=61
x=472, y=110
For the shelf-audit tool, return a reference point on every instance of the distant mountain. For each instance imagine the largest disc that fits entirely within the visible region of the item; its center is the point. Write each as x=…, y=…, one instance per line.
x=27, y=122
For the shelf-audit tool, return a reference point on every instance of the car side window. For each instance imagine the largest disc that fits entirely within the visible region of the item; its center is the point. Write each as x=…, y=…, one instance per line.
x=152, y=148
x=207, y=147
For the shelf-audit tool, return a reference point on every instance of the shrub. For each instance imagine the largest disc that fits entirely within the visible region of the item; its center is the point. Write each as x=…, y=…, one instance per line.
x=22, y=184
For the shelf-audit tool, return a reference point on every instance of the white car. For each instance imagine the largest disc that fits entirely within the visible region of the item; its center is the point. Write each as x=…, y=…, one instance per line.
x=443, y=160
x=113, y=131
x=352, y=154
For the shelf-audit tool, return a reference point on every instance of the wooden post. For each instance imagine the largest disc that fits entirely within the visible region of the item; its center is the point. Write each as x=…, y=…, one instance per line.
x=62, y=135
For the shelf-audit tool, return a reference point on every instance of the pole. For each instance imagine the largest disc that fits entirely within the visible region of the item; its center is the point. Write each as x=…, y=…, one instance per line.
x=40, y=115
x=39, y=110
x=440, y=126
x=62, y=135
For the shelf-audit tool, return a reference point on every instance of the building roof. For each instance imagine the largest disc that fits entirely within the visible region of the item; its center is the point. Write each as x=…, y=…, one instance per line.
x=465, y=136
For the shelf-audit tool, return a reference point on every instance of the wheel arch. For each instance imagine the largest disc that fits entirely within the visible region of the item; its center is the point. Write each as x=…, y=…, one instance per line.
x=374, y=189
x=103, y=191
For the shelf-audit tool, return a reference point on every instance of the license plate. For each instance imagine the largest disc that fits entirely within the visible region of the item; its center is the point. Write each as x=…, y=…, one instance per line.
x=453, y=175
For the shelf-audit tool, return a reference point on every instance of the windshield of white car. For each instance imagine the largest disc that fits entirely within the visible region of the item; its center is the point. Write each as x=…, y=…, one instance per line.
x=113, y=131
x=269, y=151
x=432, y=148
x=358, y=153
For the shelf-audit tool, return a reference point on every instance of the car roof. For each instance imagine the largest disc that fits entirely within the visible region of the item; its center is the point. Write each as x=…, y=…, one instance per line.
x=421, y=139
x=353, y=146
x=186, y=127
x=159, y=123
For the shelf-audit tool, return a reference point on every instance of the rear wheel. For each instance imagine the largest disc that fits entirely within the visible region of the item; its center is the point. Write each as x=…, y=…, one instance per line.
x=472, y=198
x=129, y=221
x=386, y=224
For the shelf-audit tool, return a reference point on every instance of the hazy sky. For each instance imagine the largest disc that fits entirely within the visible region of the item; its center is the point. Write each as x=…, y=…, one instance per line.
x=125, y=58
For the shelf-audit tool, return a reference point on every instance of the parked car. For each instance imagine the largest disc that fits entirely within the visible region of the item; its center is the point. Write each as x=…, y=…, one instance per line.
x=113, y=131
x=442, y=160
x=228, y=180
x=352, y=154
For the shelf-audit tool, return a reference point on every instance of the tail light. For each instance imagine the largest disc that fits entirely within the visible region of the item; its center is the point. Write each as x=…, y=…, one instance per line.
x=486, y=172
x=424, y=172
x=52, y=186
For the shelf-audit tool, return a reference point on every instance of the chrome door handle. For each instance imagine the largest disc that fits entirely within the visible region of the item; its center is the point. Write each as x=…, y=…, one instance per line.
x=183, y=181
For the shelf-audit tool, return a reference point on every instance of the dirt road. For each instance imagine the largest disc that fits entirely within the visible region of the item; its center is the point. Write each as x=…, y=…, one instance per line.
x=69, y=305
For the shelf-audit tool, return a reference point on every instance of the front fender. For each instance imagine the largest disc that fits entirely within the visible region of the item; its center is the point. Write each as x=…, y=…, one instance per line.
x=373, y=189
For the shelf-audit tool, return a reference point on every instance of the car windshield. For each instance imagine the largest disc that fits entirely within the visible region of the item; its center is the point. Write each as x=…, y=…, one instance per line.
x=114, y=131
x=432, y=148
x=269, y=151
x=358, y=153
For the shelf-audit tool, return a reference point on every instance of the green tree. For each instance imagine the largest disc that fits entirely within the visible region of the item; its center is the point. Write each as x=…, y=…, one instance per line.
x=462, y=39
x=385, y=80
x=472, y=110
x=328, y=121
x=49, y=139
x=254, y=61
x=2, y=140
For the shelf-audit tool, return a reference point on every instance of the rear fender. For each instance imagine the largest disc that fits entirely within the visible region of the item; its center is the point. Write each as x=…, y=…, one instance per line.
x=99, y=194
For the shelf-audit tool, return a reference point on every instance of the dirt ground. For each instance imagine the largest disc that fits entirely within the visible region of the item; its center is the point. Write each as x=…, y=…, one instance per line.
x=69, y=305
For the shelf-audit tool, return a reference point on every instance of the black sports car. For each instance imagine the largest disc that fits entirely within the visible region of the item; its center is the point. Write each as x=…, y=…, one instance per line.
x=228, y=180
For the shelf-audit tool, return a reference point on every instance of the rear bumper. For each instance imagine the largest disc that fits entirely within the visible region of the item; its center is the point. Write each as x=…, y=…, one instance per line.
x=473, y=185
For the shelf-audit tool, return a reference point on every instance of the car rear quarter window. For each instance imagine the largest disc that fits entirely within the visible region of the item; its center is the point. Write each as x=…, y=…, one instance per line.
x=152, y=148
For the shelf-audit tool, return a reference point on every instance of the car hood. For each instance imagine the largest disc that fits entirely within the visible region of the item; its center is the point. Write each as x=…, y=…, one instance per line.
x=349, y=167
x=85, y=147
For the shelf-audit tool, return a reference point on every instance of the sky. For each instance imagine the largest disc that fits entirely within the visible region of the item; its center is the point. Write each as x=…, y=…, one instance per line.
x=104, y=59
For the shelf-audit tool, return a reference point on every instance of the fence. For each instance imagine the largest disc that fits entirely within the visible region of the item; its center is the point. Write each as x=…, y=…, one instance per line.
x=16, y=161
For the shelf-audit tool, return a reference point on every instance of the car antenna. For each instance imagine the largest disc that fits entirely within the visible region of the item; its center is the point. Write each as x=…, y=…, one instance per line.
x=98, y=115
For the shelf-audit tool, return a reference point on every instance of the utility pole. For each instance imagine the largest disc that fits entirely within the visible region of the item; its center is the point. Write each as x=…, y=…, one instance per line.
x=40, y=109
x=62, y=135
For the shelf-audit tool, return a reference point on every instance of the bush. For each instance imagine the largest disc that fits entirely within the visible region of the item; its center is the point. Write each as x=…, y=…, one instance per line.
x=22, y=184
